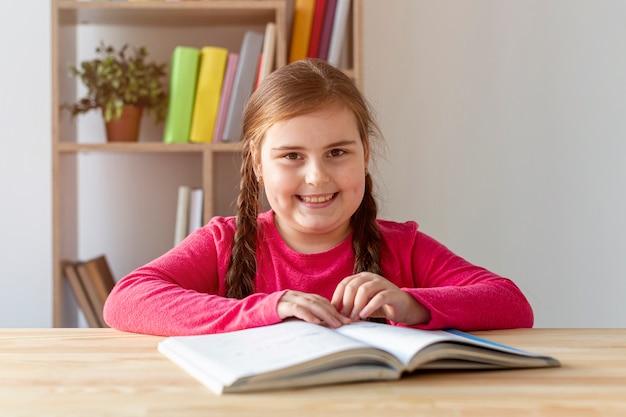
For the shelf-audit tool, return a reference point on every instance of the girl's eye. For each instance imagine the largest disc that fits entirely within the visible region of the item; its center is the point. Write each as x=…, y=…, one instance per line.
x=337, y=152
x=291, y=155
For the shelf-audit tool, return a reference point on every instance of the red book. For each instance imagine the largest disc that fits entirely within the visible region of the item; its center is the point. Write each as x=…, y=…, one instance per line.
x=316, y=28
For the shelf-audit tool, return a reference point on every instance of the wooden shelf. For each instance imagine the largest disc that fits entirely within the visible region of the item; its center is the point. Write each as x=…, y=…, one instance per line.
x=75, y=148
x=213, y=12
x=149, y=147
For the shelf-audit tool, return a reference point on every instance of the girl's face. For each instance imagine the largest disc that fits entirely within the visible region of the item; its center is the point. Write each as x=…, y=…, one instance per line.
x=313, y=167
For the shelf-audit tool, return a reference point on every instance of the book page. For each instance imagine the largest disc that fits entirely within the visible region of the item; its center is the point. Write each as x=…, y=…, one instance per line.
x=234, y=355
x=402, y=342
x=405, y=343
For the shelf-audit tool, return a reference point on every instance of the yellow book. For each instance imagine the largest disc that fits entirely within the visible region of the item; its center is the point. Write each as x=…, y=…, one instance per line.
x=301, y=30
x=208, y=91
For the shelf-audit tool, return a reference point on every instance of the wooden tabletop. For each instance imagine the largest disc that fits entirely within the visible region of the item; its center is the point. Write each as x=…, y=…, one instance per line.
x=103, y=372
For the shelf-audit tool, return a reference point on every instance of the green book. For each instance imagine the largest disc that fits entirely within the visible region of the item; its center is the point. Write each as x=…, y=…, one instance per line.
x=183, y=76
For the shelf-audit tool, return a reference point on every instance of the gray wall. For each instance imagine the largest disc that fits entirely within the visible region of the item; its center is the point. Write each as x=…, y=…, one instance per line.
x=506, y=130
x=505, y=140
x=25, y=165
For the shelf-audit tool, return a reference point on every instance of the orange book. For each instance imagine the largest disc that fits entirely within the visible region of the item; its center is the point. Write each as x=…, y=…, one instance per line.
x=301, y=30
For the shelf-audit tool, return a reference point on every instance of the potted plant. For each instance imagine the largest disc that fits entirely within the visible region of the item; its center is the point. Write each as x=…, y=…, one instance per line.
x=121, y=84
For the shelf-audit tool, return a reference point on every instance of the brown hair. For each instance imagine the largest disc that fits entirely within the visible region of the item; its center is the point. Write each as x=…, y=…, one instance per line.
x=296, y=89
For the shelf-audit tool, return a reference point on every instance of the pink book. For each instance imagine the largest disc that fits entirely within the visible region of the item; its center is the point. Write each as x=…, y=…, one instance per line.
x=227, y=88
x=327, y=28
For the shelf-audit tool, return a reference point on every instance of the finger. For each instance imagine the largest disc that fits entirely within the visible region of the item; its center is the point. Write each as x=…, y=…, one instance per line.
x=373, y=306
x=363, y=297
x=317, y=309
x=326, y=312
x=345, y=293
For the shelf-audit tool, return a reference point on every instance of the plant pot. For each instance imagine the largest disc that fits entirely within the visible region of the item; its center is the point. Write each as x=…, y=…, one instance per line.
x=126, y=128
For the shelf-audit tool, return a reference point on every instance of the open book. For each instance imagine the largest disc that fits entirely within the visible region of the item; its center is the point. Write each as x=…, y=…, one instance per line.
x=296, y=354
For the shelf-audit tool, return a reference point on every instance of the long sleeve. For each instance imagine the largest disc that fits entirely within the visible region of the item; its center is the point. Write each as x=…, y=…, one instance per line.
x=182, y=292
x=461, y=295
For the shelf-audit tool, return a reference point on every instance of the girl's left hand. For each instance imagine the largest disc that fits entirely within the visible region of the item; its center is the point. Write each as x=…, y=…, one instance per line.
x=369, y=295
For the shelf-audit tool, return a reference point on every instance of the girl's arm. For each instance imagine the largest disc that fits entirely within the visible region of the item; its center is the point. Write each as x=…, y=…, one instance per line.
x=183, y=292
x=464, y=296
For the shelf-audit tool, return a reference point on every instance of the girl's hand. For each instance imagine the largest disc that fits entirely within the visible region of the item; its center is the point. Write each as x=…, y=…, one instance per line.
x=312, y=308
x=369, y=295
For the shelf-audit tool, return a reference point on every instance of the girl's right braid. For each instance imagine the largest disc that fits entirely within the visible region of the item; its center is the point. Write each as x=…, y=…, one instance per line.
x=242, y=265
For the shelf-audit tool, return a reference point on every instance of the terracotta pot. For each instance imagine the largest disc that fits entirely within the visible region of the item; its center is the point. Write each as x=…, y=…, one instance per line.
x=126, y=128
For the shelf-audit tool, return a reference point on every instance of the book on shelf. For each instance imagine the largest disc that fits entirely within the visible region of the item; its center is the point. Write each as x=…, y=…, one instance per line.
x=316, y=28
x=208, y=92
x=339, y=32
x=327, y=27
x=183, y=78
x=245, y=78
x=227, y=88
x=98, y=282
x=268, y=53
x=80, y=294
x=196, y=204
x=303, y=11
x=189, y=211
x=297, y=354
x=181, y=225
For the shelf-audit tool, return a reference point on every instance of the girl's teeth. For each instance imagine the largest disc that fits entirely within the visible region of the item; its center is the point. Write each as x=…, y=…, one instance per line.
x=317, y=199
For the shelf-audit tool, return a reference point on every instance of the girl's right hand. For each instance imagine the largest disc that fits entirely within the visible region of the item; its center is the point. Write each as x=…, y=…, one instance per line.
x=311, y=308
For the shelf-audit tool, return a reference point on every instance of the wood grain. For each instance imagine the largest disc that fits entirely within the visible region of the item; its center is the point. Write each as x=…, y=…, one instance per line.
x=79, y=372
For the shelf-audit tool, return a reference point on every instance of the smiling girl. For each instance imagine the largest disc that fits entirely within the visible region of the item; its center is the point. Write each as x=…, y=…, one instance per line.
x=320, y=254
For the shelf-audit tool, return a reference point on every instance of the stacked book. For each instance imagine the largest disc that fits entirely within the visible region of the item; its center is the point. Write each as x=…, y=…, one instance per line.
x=209, y=86
x=91, y=282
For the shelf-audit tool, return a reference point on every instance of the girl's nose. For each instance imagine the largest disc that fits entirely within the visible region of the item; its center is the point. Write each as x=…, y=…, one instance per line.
x=316, y=173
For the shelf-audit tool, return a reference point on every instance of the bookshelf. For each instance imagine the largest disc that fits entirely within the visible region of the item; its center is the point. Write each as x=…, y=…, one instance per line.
x=120, y=198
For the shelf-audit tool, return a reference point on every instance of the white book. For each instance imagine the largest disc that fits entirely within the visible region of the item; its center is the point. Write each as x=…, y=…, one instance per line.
x=182, y=214
x=269, y=52
x=196, y=205
x=339, y=32
x=295, y=354
x=245, y=79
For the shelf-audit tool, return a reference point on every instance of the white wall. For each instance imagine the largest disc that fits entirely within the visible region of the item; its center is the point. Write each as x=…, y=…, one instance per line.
x=505, y=123
x=505, y=130
x=25, y=164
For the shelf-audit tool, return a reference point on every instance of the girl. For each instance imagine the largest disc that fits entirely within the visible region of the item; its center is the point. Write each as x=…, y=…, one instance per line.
x=319, y=254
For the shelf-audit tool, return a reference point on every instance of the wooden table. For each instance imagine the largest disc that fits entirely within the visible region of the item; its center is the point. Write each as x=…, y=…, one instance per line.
x=103, y=372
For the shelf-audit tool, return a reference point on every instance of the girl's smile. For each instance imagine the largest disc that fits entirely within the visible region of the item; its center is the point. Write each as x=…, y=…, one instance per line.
x=317, y=200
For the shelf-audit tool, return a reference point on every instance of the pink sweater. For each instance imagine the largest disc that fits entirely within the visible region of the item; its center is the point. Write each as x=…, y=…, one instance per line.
x=183, y=291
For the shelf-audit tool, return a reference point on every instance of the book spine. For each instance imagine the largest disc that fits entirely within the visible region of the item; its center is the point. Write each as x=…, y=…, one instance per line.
x=301, y=31
x=227, y=88
x=92, y=292
x=80, y=293
x=196, y=200
x=338, y=36
x=208, y=91
x=316, y=28
x=327, y=28
x=269, y=52
x=182, y=214
x=183, y=74
x=245, y=77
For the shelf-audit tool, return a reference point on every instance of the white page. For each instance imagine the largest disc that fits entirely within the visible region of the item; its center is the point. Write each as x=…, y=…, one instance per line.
x=237, y=354
x=399, y=341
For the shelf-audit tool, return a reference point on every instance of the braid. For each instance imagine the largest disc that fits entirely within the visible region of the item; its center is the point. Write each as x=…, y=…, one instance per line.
x=366, y=239
x=242, y=265
x=296, y=89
